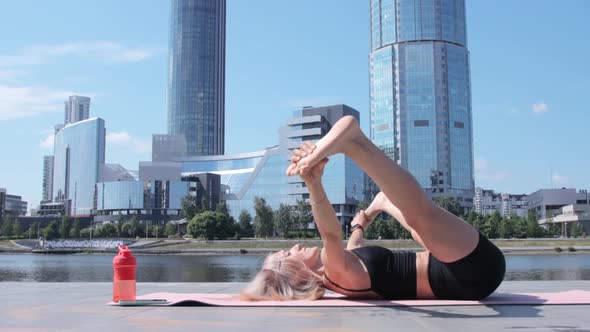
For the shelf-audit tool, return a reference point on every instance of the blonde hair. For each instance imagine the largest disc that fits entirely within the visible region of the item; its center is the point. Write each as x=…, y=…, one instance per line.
x=283, y=279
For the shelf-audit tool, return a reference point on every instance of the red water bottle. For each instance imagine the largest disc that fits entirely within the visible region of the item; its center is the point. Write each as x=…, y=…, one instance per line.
x=124, y=265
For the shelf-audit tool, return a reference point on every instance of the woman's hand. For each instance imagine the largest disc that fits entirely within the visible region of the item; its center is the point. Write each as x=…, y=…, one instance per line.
x=312, y=175
x=297, y=166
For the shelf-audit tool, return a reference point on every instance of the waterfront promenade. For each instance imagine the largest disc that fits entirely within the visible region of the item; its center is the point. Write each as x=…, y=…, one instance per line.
x=263, y=246
x=82, y=307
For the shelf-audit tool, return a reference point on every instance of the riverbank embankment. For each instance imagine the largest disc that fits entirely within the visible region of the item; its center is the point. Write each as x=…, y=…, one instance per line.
x=264, y=246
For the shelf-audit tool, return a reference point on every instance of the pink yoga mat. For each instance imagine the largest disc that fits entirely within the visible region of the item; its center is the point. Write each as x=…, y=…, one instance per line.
x=335, y=300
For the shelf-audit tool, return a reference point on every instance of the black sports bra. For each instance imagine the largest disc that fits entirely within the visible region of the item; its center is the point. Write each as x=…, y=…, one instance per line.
x=392, y=274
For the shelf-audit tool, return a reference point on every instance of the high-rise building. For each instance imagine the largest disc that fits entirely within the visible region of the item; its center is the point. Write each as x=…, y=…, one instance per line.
x=47, y=179
x=420, y=94
x=196, y=75
x=79, y=156
x=168, y=147
x=77, y=108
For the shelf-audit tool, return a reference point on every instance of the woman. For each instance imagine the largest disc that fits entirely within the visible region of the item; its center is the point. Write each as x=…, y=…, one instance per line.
x=458, y=261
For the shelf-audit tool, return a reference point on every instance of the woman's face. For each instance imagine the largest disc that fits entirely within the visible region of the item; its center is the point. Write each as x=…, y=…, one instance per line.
x=309, y=256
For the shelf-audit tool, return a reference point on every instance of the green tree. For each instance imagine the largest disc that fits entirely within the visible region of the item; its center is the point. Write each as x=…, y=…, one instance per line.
x=134, y=227
x=246, y=228
x=126, y=230
x=108, y=230
x=211, y=225
x=551, y=229
x=475, y=219
x=222, y=208
x=506, y=228
x=302, y=215
x=490, y=225
x=519, y=224
x=577, y=229
x=284, y=219
x=264, y=218
x=471, y=217
x=399, y=232
x=7, y=227
x=85, y=233
x=16, y=231
x=170, y=229
x=51, y=231
x=191, y=206
x=156, y=231
x=533, y=229
x=64, y=227
x=380, y=228
x=450, y=204
x=75, y=230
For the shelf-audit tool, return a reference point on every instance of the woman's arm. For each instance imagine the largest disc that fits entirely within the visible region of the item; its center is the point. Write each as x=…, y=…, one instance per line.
x=324, y=215
x=358, y=226
x=356, y=239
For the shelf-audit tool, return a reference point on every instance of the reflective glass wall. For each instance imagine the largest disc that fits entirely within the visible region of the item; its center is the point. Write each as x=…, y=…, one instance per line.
x=140, y=195
x=196, y=75
x=420, y=93
x=78, y=161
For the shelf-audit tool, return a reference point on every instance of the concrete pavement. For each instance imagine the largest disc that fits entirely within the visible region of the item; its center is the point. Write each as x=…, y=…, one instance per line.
x=81, y=307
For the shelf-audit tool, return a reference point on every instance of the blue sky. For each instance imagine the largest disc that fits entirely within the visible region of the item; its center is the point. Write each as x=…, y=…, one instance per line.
x=529, y=68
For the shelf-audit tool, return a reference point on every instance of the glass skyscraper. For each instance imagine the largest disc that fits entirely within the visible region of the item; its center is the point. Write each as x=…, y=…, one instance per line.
x=79, y=154
x=77, y=108
x=420, y=92
x=196, y=75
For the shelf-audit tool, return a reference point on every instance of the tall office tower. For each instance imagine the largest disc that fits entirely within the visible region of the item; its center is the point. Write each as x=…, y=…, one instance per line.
x=47, y=179
x=196, y=75
x=168, y=147
x=420, y=92
x=77, y=108
x=78, y=164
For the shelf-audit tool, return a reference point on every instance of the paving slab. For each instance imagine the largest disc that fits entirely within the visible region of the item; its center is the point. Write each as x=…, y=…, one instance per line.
x=81, y=306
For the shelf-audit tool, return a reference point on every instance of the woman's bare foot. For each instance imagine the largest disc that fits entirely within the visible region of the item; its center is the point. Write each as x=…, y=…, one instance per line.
x=344, y=135
x=377, y=206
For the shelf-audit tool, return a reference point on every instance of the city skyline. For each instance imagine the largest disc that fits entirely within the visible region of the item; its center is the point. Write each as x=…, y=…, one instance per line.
x=521, y=138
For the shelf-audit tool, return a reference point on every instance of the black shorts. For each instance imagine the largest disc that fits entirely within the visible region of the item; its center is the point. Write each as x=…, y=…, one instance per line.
x=473, y=277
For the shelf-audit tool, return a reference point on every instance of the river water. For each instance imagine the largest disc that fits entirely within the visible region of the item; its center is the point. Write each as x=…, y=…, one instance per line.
x=236, y=268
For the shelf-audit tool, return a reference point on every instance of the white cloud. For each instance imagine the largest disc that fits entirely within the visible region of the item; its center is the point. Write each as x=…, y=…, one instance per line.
x=314, y=101
x=47, y=143
x=559, y=179
x=99, y=51
x=124, y=139
x=20, y=102
x=540, y=107
x=484, y=171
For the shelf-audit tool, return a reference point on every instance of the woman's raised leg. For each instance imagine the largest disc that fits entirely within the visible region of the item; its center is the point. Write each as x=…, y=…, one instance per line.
x=445, y=235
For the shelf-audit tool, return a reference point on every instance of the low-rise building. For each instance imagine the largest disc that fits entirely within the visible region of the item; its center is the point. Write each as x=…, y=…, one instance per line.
x=487, y=202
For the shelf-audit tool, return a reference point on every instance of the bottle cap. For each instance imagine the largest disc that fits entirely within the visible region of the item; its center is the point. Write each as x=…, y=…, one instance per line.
x=124, y=251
